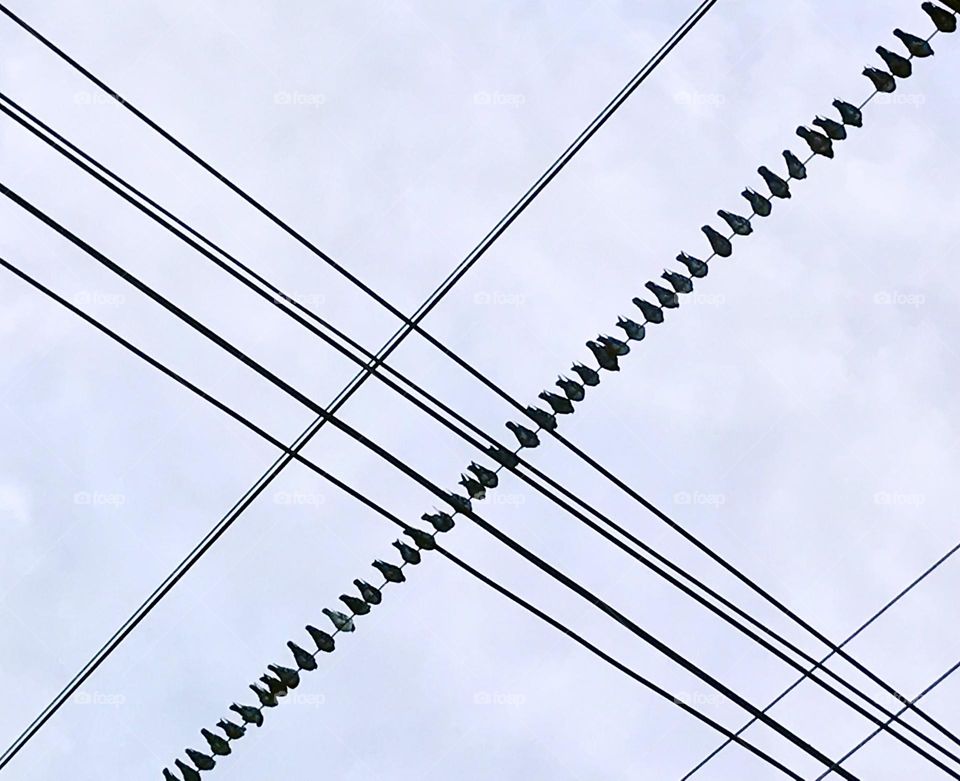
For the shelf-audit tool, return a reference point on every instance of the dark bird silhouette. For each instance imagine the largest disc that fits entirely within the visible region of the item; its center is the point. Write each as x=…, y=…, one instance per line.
x=917, y=46
x=678, y=282
x=248, y=713
x=524, y=436
x=778, y=187
x=341, y=621
x=849, y=113
x=371, y=594
x=834, y=130
x=442, y=522
x=760, y=204
x=188, y=773
x=218, y=745
x=795, y=166
x=546, y=420
x=739, y=225
x=201, y=760
x=897, y=64
x=487, y=477
x=588, y=376
x=274, y=685
x=651, y=312
x=231, y=730
x=631, y=328
x=614, y=346
x=168, y=776
x=323, y=640
x=604, y=357
x=355, y=605
x=561, y=405
x=718, y=242
x=504, y=457
x=267, y=700
x=697, y=268
x=420, y=538
x=289, y=677
x=819, y=143
x=459, y=503
x=667, y=298
x=945, y=21
x=408, y=554
x=882, y=80
x=572, y=390
x=473, y=487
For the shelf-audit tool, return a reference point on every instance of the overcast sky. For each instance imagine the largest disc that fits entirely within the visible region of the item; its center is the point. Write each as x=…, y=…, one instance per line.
x=799, y=413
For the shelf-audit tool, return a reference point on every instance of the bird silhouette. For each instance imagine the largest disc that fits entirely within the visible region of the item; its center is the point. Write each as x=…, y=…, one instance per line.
x=487, y=477
x=218, y=745
x=289, y=677
x=274, y=685
x=524, y=436
x=249, y=714
x=614, y=346
x=473, y=487
x=667, y=298
x=819, y=143
x=573, y=390
x=651, y=312
x=897, y=64
x=561, y=405
x=760, y=204
x=834, y=130
x=739, y=225
x=678, y=282
x=420, y=538
x=504, y=457
x=408, y=554
x=632, y=329
x=231, y=730
x=697, y=268
x=371, y=595
x=168, y=776
x=188, y=773
x=718, y=242
x=917, y=46
x=604, y=357
x=267, y=700
x=442, y=522
x=459, y=503
x=355, y=605
x=546, y=420
x=945, y=21
x=849, y=113
x=589, y=377
x=778, y=186
x=201, y=760
x=882, y=80
x=323, y=640
x=305, y=660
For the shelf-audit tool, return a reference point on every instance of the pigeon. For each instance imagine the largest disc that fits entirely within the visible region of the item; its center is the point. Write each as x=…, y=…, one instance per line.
x=370, y=594
x=849, y=113
x=189, y=774
x=502, y=456
x=667, y=298
x=573, y=390
x=459, y=503
x=739, y=225
x=542, y=418
x=718, y=242
x=778, y=187
x=304, y=660
x=323, y=640
x=945, y=21
x=899, y=65
x=632, y=329
x=289, y=677
x=218, y=745
x=275, y=686
x=831, y=127
x=442, y=522
x=697, y=268
x=819, y=143
x=168, y=776
x=408, y=554
x=248, y=713
x=651, y=312
x=487, y=477
x=342, y=621
x=587, y=376
x=917, y=47
x=524, y=436
x=614, y=346
x=355, y=605
x=604, y=357
x=679, y=282
x=201, y=760
x=882, y=80
x=561, y=405
x=267, y=700
x=420, y=538
x=231, y=730
x=474, y=488
x=760, y=204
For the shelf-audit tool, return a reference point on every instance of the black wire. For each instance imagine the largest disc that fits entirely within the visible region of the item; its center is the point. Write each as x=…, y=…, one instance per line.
x=413, y=323
x=383, y=512
x=420, y=479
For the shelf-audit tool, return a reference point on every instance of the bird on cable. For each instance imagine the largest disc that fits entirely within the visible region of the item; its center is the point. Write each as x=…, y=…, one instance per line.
x=459, y=503
x=231, y=730
x=267, y=700
x=778, y=187
x=561, y=405
x=342, y=621
x=355, y=605
x=168, y=776
x=604, y=357
x=739, y=225
x=304, y=660
x=274, y=685
x=667, y=298
x=945, y=21
x=882, y=80
x=651, y=312
x=795, y=166
x=831, y=127
x=290, y=678
x=899, y=65
x=188, y=773
x=849, y=113
x=423, y=540
x=474, y=488
x=442, y=522
x=218, y=745
x=504, y=457
x=487, y=477
x=408, y=554
x=614, y=346
x=678, y=282
x=323, y=640
x=546, y=420
x=201, y=760
x=370, y=594
x=760, y=204
x=697, y=268
x=589, y=377
x=631, y=328
x=917, y=46
x=819, y=143
x=248, y=713
x=572, y=389
x=718, y=242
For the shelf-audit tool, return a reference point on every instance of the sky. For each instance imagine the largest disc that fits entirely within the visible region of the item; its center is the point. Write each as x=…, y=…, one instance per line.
x=798, y=413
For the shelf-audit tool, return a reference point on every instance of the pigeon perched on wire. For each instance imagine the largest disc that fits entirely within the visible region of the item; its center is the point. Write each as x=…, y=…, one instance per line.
x=667, y=298
x=819, y=143
x=371, y=594
x=631, y=328
x=572, y=390
x=525, y=436
x=304, y=660
x=249, y=714
x=561, y=405
x=945, y=21
x=323, y=640
x=274, y=685
x=188, y=773
x=718, y=242
x=504, y=457
x=678, y=282
x=342, y=621
x=267, y=698
x=420, y=538
x=473, y=487
x=201, y=760
x=614, y=346
x=849, y=113
x=546, y=420
x=408, y=554
x=651, y=312
x=604, y=357
x=697, y=268
x=355, y=605
x=459, y=503
x=778, y=186
x=739, y=225
x=897, y=64
x=231, y=730
x=882, y=80
x=442, y=522
x=834, y=130
x=168, y=776
x=487, y=477
x=218, y=745
x=290, y=678
x=795, y=166
x=760, y=204
x=917, y=46
x=589, y=377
